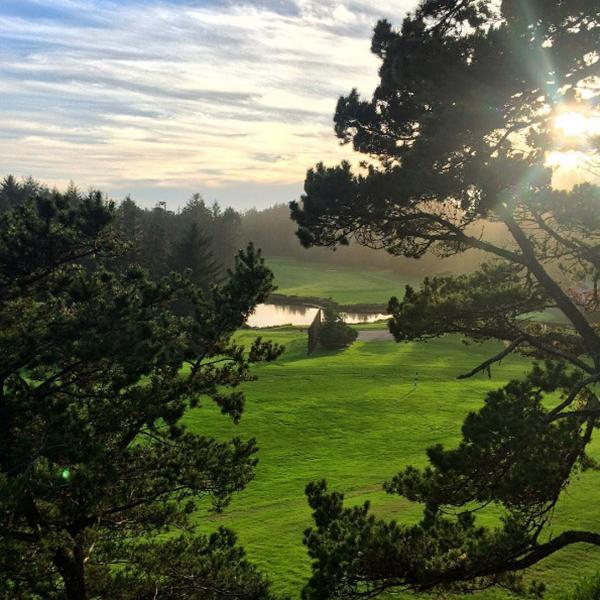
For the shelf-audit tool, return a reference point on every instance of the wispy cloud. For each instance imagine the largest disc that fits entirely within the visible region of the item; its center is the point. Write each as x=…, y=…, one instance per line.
x=179, y=95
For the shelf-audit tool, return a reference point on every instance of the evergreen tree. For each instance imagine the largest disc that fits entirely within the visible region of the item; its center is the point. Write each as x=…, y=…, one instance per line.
x=14, y=193
x=155, y=241
x=193, y=252
x=334, y=333
x=128, y=222
x=96, y=373
x=469, y=107
x=227, y=233
x=196, y=210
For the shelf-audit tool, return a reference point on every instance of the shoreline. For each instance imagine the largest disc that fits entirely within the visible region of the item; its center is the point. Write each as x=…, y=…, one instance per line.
x=316, y=302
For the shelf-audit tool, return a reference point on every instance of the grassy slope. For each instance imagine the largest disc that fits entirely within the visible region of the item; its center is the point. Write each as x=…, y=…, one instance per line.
x=351, y=417
x=342, y=284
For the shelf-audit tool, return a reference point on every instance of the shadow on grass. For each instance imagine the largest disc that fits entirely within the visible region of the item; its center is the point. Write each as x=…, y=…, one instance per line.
x=375, y=347
x=297, y=350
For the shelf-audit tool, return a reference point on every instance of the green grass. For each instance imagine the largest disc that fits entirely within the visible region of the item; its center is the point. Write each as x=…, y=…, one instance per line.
x=342, y=284
x=351, y=417
x=587, y=589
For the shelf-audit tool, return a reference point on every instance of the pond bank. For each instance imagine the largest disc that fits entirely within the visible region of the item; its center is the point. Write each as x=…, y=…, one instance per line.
x=315, y=301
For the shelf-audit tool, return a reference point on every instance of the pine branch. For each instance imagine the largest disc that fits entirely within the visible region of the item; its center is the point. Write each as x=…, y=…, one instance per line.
x=494, y=359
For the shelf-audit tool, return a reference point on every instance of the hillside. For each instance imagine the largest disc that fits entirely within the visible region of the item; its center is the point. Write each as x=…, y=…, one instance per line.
x=345, y=285
x=323, y=417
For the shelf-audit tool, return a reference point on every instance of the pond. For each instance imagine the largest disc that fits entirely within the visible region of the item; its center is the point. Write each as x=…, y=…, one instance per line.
x=272, y=315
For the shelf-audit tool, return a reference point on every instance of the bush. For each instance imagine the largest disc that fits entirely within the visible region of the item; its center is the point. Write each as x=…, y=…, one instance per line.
x=334, y=333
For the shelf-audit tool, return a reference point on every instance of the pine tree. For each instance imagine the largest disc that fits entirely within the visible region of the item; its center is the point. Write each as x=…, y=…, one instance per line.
x=461, y=132
x=128, y=222
x=155, y=241
x=193, y=252
x=15, y=193
x=98, y=474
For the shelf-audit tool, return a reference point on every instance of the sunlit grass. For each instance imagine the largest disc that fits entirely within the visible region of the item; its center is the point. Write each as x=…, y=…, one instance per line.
x=353, y=418
x=343, y=284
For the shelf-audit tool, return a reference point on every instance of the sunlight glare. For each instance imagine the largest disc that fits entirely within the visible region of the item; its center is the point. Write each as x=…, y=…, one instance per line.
x=574, y=128
x=576, y=124
x=568, y=160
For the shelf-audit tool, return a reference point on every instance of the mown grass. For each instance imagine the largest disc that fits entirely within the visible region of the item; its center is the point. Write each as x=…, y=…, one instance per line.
x=353, y=418
x=342, y=284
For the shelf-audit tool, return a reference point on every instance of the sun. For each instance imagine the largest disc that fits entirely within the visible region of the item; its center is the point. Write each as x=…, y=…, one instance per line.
x=572, y=152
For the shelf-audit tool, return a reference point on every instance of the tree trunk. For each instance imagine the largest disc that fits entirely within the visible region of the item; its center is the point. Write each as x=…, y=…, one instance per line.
x=72, y=570
x=566, y=305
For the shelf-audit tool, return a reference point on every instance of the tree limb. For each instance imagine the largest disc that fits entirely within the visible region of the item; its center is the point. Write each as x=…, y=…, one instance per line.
x=490, y=361
x=555, y=412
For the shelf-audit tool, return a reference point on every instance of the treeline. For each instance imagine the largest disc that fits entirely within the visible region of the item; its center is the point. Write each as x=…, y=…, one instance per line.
x=204, y=238
x=200, y=238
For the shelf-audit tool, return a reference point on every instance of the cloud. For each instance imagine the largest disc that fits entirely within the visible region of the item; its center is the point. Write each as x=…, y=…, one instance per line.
x=185, y=94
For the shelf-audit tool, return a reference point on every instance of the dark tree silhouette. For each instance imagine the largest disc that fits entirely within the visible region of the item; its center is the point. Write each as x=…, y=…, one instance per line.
x=155, y=241
x=458, y=133
x=193, y=252
x=129, y=224
x=14, y=193
x=96, y=373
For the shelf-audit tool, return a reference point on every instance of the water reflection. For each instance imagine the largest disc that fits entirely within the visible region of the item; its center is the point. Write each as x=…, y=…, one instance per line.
x=272, y=315
x=364, y=317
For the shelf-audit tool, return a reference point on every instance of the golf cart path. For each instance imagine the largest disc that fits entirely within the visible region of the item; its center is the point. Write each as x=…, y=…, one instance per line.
x=374, y=335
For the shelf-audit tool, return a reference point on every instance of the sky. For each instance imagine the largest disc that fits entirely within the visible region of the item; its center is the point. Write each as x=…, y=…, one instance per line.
x=163, y=98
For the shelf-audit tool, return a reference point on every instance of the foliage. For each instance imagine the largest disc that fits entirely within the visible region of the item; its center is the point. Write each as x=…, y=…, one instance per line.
x=96, y=374
x=188, y=567
x=458, y=133
x=201, y=238
x=334, y=333
x=272, y=230
x=156, y=235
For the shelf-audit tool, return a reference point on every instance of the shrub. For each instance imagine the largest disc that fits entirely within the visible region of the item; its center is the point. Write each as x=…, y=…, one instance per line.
x=334, y=333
